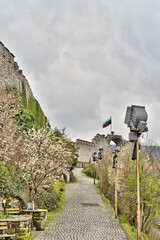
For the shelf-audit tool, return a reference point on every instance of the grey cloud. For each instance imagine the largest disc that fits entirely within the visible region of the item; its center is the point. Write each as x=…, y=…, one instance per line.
x=87, y=60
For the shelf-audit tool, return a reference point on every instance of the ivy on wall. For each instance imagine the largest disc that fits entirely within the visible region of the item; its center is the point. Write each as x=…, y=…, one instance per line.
x=30, y=113
x=24, y=95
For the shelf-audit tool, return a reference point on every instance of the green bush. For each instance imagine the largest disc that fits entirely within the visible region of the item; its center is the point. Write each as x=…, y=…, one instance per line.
x=89, y=171
x=25, y=118
x=47, y=200
x=3, y=216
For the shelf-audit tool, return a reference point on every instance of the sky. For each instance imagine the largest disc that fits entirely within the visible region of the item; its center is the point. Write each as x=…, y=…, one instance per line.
x=87, y=60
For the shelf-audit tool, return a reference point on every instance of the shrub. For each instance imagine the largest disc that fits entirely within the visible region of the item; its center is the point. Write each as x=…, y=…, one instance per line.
x=3, y=216
x=89, y=171
x=47, y=200
x=126, y=187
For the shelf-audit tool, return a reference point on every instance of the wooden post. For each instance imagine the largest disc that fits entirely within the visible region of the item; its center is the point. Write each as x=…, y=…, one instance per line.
x=116, y=215
x=138, y=196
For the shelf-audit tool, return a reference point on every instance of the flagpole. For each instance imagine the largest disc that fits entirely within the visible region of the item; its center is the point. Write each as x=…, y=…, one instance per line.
x=111, y=125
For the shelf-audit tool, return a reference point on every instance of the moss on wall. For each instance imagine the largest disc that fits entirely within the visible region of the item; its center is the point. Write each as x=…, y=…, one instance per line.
x=24, y=95
x=30, y=113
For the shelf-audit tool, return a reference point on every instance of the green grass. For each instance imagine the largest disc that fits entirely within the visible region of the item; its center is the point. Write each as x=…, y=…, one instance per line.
x=89, y=171
x=104, y=199
x=132, y=232
x=74, y=180
x=3, y=216
x=60, y=188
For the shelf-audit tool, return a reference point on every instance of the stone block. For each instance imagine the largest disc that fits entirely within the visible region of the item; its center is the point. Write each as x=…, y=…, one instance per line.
x=21, y=231
x=40, y=225
x=11, y=231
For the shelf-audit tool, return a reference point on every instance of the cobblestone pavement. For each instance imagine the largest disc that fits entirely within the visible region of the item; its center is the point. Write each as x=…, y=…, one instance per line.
x=84, y=217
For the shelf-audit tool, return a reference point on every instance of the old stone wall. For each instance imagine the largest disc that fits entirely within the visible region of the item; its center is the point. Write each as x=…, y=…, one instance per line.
x=19, y=226
x=36, y=214
x=10, y=74
x=11, y=202
x=101, y=141
x=85, y=148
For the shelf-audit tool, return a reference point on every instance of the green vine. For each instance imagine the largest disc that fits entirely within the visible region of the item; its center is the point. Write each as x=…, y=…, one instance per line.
x=24, y=95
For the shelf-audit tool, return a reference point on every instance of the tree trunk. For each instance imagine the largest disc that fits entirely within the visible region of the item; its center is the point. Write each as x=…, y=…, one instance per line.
x=30, y=194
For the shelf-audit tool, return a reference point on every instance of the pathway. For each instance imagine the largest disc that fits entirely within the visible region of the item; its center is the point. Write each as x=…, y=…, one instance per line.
x=85, y=216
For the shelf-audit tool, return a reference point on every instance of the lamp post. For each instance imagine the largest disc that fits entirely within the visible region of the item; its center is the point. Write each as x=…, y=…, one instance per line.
x=138, y=195
x=136, y=117
x=4, y=206
x=100, y=156
x=115, y=150
x=94, y=160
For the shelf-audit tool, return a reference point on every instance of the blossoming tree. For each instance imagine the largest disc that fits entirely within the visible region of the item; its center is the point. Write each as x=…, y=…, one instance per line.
x=45, y=156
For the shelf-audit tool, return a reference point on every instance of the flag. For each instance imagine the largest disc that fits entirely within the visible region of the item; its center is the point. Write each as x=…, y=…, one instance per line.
x=107, y=122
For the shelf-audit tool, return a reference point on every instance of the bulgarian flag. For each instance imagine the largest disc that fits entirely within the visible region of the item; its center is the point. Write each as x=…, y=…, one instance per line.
x=107, y=122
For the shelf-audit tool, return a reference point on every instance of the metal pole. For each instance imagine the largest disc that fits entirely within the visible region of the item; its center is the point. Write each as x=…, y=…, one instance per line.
x=94, y=171
x=111, y=125
x=138, y=196
x=4, y=206
x=4, y=210
x=116, y=215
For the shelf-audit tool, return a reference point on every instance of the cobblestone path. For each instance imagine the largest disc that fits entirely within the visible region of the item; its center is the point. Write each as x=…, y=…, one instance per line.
x=84, y=217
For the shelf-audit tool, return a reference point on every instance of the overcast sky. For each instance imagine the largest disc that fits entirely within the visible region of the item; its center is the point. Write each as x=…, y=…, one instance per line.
x=87, y=60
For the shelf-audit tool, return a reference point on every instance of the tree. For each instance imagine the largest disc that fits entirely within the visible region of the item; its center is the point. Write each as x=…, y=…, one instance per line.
x=149, y=189
x=5, y=181
x=45, y=156
x=9, y=131
x=11, y=183
x=126, y=186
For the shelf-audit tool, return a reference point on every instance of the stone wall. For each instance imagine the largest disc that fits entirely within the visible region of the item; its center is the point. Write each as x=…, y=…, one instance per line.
x=37, y=215
x=10, y=74
x=12, y=202
x=20, y=226
x=85, y=148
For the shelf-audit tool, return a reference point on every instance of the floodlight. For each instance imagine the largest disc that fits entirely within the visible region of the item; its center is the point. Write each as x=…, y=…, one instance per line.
x=136, y=117
x=128, y=116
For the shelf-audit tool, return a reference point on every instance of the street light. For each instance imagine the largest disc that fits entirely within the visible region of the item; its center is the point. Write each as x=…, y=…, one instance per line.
x=136, y=118
x=100, y=158
x=94, y=160
x=100, y=153
x=115, y=151
x=4, y=206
